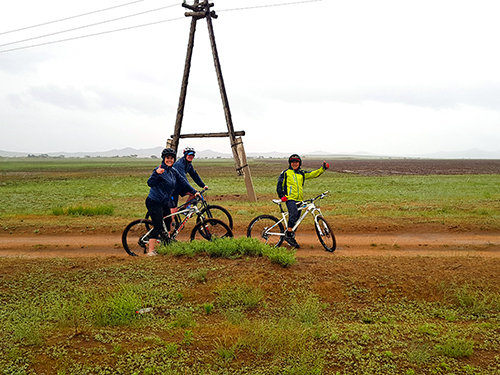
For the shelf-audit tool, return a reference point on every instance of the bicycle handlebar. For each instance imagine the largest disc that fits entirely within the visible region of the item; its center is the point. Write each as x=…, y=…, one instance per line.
x=195, y=199
x=321, y=196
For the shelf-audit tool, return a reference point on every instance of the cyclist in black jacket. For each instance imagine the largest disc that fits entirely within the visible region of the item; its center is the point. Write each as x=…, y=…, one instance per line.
x=185, y=166
x=163, y=182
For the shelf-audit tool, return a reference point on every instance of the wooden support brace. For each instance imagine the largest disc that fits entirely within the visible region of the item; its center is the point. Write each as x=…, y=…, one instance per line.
x=209, y=135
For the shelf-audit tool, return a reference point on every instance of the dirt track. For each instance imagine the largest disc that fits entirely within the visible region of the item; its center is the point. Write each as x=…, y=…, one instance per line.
x=386, y=244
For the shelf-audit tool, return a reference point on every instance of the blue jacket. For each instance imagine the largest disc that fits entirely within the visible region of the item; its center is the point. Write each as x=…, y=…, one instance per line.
x=162, y=186
x=185, y=167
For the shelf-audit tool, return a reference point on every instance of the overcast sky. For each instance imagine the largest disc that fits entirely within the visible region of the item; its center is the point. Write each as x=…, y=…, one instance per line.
x=384, y=77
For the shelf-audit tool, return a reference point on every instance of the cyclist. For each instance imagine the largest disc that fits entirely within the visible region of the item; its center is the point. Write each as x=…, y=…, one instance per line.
x=290, y=190
x=185, y=166
x=163, y=182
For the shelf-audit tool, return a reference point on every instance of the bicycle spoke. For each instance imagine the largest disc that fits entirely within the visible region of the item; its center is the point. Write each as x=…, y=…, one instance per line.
x=267, y=229
x=210, y=230
x=135, y=239
x=216, y=212
x=325, y=234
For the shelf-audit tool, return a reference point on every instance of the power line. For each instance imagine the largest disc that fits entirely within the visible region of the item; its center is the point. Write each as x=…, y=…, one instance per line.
x=69, y=18
x=91, y=35
x=122, y=29
x=83, y=27
x=269, y=5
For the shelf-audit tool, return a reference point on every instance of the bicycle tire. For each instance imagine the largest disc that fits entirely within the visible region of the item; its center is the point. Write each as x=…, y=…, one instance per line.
x=133, y=240
x=259, y=228
x=210, y=230
x=325, y=234
x=216, y=212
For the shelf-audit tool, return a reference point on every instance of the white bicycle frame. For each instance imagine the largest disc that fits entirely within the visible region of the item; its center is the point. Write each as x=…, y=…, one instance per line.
x=305, y=206
x=188, y=211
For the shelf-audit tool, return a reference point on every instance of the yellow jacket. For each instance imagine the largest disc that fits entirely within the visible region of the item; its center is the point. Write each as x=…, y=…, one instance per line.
x=291, y=182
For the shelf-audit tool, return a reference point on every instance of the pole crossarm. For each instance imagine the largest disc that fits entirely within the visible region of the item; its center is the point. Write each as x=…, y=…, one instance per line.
x=200, y=10
x=210, y=135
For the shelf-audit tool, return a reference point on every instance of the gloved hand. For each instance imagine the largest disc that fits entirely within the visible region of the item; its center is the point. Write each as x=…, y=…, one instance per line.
x=284, y=199
x=326, y=165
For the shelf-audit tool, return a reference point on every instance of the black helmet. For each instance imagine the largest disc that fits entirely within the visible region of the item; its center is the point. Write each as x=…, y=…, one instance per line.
x=168, y=152
x=294, y=157
x=188, y=151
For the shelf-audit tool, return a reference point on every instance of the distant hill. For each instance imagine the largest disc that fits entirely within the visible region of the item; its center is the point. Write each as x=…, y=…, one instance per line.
x=156, y=151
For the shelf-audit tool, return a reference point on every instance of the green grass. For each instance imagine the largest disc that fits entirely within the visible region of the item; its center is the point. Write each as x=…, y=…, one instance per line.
x=44, y=188
x=77, y=316
x=231, y=248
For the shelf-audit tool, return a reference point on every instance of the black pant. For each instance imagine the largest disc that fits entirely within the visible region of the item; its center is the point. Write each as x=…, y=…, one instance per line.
x=156, y=212
x=293, y=212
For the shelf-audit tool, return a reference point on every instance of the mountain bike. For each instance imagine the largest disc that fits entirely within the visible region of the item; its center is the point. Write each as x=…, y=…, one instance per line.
x=135, y=237
x=205, y=210
x=271, y=230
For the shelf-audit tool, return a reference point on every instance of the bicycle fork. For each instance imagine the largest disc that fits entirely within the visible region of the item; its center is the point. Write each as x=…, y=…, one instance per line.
x=321, y=229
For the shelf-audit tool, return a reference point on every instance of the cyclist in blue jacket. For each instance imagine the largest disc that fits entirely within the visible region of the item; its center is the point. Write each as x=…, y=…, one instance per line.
x=185, y=166
x=290, y=190
x=163, y=182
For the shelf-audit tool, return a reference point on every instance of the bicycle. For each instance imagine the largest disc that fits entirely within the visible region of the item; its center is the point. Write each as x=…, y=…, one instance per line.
x=271, y=230
x=205, y=210
x=135, y=237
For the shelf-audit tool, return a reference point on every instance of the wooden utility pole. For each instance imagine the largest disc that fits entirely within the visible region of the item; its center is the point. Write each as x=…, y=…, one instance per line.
x=198, y=11
x=174, y=142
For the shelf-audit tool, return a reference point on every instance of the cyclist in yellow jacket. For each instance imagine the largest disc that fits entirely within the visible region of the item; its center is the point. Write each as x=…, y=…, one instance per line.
x=290, y=190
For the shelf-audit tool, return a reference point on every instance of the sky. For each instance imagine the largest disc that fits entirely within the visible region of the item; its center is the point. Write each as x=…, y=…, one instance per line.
x=384, y=77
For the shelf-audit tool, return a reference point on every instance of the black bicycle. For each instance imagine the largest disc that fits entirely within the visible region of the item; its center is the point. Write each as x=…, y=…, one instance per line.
x=208, y=211
x=136, y=236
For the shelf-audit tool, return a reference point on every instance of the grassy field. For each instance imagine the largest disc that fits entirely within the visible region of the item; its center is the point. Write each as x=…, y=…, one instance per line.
x=210, y=316
x=208, y=313
x=37, y=194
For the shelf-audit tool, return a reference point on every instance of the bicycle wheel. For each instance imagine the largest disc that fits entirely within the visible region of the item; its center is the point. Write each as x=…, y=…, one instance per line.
x=268, y=229
x=135, y=239
x=216, y=212
x=325, y=234
x=210, y=229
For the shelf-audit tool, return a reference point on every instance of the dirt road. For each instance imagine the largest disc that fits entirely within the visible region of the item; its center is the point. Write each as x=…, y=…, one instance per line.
x=356, y=244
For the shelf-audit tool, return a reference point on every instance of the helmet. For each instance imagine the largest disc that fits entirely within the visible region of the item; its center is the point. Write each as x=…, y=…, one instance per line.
x=294, y=157
x=168, y=152
x=189, y=151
